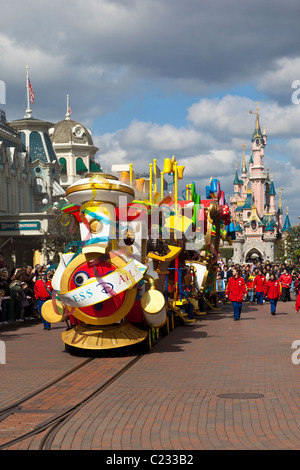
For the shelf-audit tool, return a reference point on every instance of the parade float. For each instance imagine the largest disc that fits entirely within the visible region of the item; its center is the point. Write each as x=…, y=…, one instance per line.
x=145, y=262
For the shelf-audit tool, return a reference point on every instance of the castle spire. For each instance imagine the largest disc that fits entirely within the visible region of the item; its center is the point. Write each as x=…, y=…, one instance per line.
x=272, y=189
x=287, y=225
x=280, y=211
x=257, y=125
x=251, y=158
x=244, y=168
x=237, y=181
x=257, y=131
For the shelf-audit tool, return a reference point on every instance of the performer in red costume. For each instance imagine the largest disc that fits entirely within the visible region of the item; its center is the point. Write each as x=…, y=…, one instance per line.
x=273, y=292
x=235, y=292
x=260, y=285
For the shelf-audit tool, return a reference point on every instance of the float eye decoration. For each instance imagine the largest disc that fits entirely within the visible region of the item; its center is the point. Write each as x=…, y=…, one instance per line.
x=80, y=278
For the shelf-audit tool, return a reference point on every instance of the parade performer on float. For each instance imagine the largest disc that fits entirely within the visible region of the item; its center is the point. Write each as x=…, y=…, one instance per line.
x=235, y=292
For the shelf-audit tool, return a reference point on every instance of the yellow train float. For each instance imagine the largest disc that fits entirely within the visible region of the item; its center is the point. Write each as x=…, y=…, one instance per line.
x=146, y=259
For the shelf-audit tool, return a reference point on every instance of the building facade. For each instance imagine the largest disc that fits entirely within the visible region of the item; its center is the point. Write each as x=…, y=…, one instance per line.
x=38, y=160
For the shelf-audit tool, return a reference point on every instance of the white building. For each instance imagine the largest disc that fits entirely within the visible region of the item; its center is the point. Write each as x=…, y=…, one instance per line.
x=38, y=161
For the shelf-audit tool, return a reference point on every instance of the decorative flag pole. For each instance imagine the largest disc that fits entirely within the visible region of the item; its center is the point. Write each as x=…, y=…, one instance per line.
x=30, y=94
x=69, y=112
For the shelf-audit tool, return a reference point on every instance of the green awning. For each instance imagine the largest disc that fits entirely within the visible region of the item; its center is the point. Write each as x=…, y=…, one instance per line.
x=95, y=167
x=80, y=166
x=63, y=163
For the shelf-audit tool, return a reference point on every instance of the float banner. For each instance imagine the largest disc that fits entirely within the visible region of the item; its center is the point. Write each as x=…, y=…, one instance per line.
x=101, y=289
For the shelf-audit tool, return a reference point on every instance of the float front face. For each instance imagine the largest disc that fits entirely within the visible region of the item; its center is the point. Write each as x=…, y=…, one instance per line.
x=99, y=290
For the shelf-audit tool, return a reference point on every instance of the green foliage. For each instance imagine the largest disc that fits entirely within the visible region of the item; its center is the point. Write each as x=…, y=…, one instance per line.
x=289, y=246
x=58, y=235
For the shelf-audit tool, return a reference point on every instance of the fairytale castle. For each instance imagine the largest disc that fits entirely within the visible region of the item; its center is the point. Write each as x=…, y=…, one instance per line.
x=258, y=223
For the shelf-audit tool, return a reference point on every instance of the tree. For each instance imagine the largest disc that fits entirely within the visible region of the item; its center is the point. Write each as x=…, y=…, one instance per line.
x=289, y=245
x=61, y=232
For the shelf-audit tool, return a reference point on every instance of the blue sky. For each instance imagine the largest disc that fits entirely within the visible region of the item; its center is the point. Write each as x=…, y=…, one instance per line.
x=153, y=79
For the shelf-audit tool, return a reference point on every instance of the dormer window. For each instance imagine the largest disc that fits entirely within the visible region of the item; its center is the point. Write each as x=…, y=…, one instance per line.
x=253, y=225
x=78, y=131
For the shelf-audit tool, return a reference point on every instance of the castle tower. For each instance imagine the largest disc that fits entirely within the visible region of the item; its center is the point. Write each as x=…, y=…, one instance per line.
x=253, y=208
x=257, y=175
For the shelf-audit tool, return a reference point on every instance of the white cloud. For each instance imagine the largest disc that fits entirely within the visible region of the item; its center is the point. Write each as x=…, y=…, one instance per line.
x=278, y=79
x=101, y=52
x=229, y=116
x=212, y=143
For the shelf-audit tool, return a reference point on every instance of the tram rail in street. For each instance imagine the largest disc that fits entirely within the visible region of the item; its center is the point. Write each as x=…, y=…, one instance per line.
x=51, y=425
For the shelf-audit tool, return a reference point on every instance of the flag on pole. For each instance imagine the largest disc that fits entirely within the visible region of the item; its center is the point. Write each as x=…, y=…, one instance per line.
x=31, y=92
x=69, y=110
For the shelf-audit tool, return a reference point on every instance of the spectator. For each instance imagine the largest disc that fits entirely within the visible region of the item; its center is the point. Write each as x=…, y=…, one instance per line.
x=226, y=274
x=42, y=292
x=220, y=286
x=250, y=287
x=17, y=296
x=5, y=298
x=285, y=281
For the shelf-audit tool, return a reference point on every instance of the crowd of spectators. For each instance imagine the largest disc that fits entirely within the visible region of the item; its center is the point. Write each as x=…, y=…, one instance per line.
x=21, y=295
x=20, y=292
x=253, y=274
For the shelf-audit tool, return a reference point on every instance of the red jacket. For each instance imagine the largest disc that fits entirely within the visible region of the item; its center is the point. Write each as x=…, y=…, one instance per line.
x=40, y=291
x=236, y=288
x=297, y=306
x=273, y=289
x=286, y=280
x=250, y=283
x=260, y=283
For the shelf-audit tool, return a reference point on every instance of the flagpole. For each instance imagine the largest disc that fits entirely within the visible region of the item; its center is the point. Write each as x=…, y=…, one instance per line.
x=68, y=109
x=28, y=110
